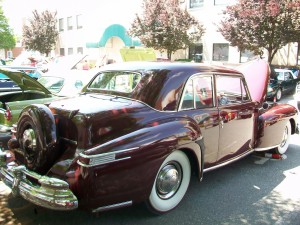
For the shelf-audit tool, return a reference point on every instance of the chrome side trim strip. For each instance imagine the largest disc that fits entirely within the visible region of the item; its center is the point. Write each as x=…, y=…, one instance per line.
x=265, y=149
x=114, y=206
x=228, y=162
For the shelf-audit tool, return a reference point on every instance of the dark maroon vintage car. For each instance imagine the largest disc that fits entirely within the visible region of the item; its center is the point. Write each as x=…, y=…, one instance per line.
x=137, y=133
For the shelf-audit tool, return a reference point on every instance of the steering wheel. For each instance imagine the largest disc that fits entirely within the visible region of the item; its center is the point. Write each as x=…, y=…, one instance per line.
x=223, y=100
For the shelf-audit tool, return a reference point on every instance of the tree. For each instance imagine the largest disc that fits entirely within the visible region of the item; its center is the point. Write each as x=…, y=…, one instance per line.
x=261, y=24
x=164, y=26
x=7, y=40
x=41, y=33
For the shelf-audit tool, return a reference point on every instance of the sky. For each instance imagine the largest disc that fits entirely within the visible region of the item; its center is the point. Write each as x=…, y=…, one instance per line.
x=16, y=10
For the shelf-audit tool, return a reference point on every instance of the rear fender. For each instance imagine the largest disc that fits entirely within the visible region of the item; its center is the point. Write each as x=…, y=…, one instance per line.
x=145, y=148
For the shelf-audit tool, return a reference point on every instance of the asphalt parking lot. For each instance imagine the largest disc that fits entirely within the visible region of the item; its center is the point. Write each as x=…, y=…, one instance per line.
x=254, y=190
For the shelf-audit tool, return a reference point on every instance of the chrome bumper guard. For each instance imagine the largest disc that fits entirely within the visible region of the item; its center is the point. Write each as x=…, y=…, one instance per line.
x=49, y=192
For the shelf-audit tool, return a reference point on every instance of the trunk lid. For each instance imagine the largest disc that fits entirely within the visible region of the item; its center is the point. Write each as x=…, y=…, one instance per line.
x=24, y=81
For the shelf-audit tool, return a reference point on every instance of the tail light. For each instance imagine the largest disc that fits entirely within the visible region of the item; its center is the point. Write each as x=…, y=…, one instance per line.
x=8, y=114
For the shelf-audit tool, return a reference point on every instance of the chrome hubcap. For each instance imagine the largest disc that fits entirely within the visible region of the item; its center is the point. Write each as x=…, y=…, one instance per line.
x=285, y=137
x=278, y=94
x=29, y=143
x=168, y=180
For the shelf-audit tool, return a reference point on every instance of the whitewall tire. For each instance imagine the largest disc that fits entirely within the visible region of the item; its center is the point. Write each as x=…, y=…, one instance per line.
x=171, y=183
x=282, y=148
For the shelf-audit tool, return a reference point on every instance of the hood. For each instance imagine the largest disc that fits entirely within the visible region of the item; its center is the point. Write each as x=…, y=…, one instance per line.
x=24, y=81
x=257, y=75
x=66, y=63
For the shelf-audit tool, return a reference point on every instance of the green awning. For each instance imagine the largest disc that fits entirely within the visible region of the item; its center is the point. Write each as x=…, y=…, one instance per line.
x=115, y=30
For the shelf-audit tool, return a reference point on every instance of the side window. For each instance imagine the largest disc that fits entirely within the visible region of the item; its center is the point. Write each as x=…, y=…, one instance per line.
x=203, y=92
x=198, y=93
x=288, y=76
x=188, y=96
x=230, y=90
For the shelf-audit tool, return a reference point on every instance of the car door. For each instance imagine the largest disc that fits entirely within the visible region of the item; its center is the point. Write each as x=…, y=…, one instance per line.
x=198, y=103
x=236, y=115
x=288, y=83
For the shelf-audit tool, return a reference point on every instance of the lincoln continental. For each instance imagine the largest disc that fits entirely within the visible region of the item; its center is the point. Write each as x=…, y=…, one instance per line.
x=139, y=131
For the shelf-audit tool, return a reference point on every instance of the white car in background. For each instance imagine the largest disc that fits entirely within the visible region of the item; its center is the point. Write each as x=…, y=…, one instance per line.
x=66, y=83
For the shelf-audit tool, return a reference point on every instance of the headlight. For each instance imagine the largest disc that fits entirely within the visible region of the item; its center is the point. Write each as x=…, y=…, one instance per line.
x=270, y=89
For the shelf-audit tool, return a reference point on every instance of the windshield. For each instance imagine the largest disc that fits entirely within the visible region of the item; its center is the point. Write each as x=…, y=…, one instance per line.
x=53, y=84
x=116, y=81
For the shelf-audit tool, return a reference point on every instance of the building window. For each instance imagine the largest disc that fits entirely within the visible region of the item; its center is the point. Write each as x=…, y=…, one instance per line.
x=61, y=24
x=80, y=50
x=61, y=51
x=196, y=52
x=196, y=3
x=70, y=51
x=220, y=52
x=70, y=23
x=246, y=56
x=9, y=54
x=222, y=2
x=79, y=21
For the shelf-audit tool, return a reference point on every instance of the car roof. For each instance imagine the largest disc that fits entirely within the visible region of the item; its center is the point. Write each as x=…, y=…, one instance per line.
x=173, y=66
x=170, y=77
x=283, y=70
x=18, y=67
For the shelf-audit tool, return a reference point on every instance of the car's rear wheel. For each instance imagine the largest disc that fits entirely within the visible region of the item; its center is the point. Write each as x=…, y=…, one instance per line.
x=278, y=95
x=282, y=148
x=171, y=183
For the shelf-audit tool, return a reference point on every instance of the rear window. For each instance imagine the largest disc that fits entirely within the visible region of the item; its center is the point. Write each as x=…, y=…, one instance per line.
x=53, y=84
x=116, y=81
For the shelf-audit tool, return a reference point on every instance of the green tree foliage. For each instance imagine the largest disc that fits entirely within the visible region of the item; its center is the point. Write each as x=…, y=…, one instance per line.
x=164, y=26
x=41, y=33
x=261, y=24
x=7, y=40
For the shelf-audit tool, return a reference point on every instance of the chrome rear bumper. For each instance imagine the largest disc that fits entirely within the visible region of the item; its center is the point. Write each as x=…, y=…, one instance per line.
x=44, y=191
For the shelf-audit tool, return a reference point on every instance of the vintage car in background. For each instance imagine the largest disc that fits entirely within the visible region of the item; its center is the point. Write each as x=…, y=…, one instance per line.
x=284, y=82
x=7, y=84
x=297, y=95
x=138, y=131
x=30, y=91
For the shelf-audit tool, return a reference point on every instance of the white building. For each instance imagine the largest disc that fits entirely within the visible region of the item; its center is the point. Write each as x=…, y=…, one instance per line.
x=99, y=29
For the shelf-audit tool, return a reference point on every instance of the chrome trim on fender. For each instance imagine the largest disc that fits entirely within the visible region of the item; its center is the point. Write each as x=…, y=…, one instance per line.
x=114, y=206
x=103, y=158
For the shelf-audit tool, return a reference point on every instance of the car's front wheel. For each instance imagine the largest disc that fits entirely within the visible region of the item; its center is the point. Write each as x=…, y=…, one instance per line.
x=282, y=148
x=171, y=183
